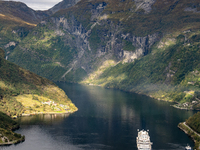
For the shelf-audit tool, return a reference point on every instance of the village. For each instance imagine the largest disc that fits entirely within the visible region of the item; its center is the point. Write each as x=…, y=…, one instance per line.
x=55, y=105
x=39, y=105
x=192, y=105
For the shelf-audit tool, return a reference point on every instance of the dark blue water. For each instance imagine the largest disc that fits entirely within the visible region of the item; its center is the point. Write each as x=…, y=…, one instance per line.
x=107, y=119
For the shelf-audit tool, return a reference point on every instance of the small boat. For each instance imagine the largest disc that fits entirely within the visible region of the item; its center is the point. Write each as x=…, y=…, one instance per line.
x=143, y=140
x=188, y=147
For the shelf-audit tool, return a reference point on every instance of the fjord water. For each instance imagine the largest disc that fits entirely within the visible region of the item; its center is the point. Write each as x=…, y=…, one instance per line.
x=106, y=119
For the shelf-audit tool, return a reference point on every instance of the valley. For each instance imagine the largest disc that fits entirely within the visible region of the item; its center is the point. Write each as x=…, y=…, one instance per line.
x=153, y=48
x=24, y=93
x=147, y=47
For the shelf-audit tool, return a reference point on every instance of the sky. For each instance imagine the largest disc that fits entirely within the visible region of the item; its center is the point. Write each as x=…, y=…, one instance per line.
x=39, y=4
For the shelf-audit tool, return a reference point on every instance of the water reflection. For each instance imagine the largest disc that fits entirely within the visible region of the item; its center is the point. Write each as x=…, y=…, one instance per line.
x=38, y=138
x=127, y=112
x=106, y=119
x=42, y=119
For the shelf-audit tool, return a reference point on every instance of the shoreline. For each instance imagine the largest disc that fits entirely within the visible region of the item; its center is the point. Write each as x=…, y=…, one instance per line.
x=13, y=142
x=22, y=139
x=190, y=107
x=46, y=113
x=190, y=132
x=182, y=108
x=159, y=99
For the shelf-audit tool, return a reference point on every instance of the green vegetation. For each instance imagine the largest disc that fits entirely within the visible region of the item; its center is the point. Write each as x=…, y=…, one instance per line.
x=164, y=17
x=49, y=54
x=95, y=39
x=194, y=123
x=16, y=81
x=22, y=93
x=16, y=21
x=191, y=133
x=128, y=46
x=76, y=76
x=7, y=125
x=170, y=72
x=79, y=44
x=12, y=30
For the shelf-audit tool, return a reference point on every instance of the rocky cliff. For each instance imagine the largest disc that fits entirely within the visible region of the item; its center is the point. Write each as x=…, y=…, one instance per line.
x=101, y=39
x=131, y=45
x=17, y=20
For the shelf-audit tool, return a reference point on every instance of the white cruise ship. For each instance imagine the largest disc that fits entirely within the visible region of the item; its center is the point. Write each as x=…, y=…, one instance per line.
x=143, y=140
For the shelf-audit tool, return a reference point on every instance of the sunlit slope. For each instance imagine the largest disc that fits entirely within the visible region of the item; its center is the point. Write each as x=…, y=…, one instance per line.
x=18, y=85
x=149, y=47
x=47, y=53
x=170, y=72
x=16, y=21
x=7, y=125
x=13, y=30
x=21, y=11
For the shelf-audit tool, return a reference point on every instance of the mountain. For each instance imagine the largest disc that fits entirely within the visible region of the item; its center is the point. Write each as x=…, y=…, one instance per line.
x=21, y=11
x=63, y=5
x=16, y=21
x=191, y=127
x=7, y=125
x=145, y=46
x=23, y=92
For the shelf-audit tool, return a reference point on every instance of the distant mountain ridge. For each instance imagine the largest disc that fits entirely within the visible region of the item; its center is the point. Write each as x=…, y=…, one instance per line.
x=63, y=5
x=23, y=92
x=22, y=11
x=17, y=20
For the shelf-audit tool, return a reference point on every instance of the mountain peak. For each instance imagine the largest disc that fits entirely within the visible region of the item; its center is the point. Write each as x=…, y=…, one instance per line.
x=63, y=5
x=22, y=11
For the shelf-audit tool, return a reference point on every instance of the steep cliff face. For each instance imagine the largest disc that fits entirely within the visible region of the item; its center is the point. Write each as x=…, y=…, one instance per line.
x=17, y=20
x=90, y=44
x=132, y=45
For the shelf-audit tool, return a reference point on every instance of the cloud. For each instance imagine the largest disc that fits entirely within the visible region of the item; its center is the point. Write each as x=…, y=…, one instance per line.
x=39, y=4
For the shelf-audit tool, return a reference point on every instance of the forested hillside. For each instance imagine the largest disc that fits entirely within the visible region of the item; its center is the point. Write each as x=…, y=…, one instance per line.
x=149, y=47
x=24, y=92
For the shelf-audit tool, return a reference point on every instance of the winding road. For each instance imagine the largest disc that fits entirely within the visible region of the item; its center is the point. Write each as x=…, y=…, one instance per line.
x=191, y=129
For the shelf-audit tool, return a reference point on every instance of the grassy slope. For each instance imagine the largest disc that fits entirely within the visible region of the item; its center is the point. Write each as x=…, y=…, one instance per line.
x=165, y=16
x=165, y=73
x=17, y=81
x=13, y=30
x=20, y=11
x=16, y=21
x=48, y=53
x=194, y=123
x=6, y=133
